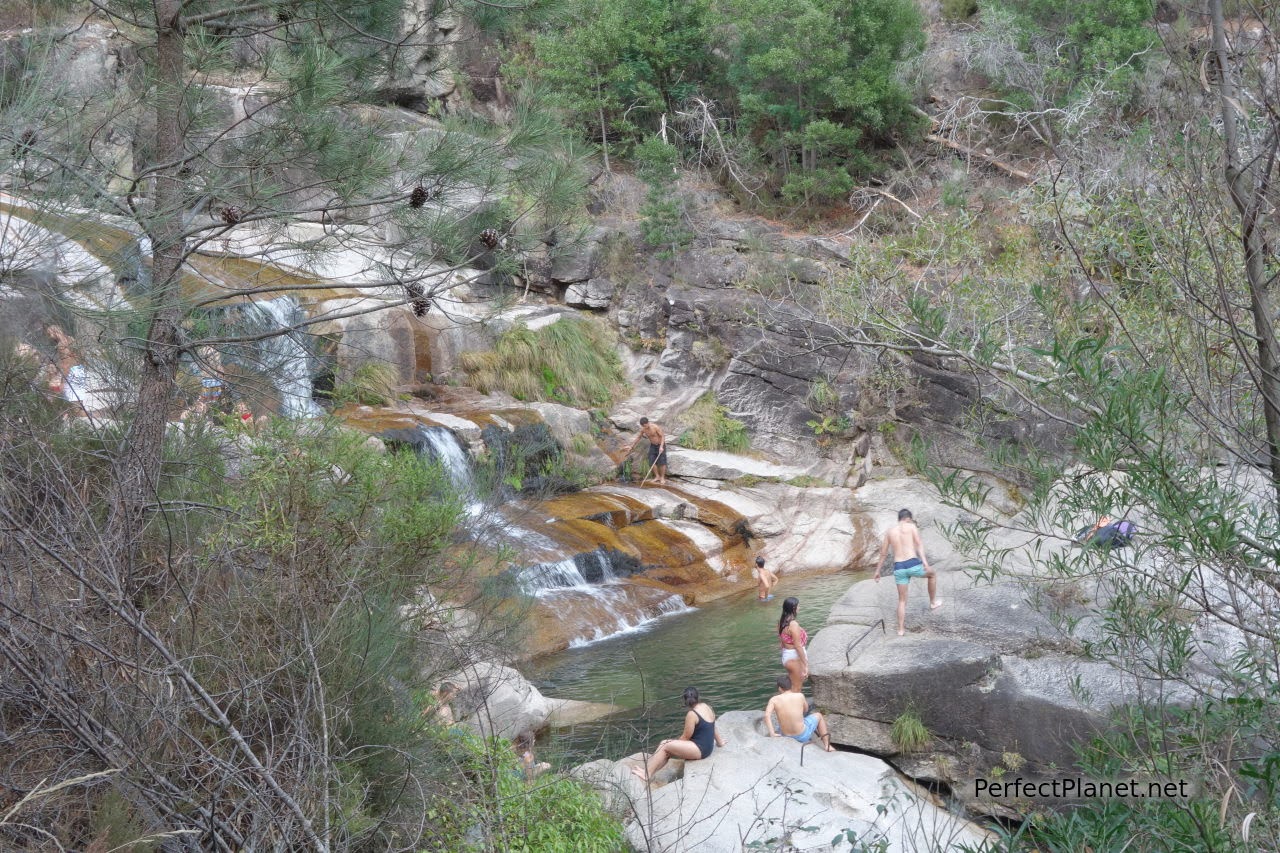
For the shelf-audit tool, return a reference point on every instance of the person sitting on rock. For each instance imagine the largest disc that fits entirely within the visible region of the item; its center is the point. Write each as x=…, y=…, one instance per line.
x=440, y=707
x=765, y=581
x=72, y=378
x=793, y=720
x=529, y=763
x=909, y=562
x=697, y=740
x=657, y=449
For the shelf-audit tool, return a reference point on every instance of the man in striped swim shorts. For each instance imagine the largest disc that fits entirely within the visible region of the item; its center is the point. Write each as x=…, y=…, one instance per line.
x=909, y=562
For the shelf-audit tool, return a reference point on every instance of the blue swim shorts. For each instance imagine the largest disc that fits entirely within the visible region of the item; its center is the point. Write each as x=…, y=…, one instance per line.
x=906, y=570
x=810, y=726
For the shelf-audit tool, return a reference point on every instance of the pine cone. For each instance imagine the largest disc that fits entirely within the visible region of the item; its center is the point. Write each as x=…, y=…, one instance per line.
x=418, y=197
x=490, y=237
x=231, y=215
x=25, y=140
x=421, y=305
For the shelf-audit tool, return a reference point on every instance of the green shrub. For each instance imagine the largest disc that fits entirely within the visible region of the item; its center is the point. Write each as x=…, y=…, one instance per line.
x=711, y=428
x=823, y=396
x=908, y=732
x=571, y=361
x=959, y=10
x=581, y=443
x=502, y=810
x=371, y=384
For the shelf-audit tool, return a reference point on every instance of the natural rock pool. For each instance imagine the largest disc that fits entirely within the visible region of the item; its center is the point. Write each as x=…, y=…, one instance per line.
x=728, y=649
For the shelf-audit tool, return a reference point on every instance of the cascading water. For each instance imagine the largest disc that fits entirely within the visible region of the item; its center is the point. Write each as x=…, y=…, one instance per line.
x=588, y=589
x=443, y=446
x=592, y=581
x=286, y=357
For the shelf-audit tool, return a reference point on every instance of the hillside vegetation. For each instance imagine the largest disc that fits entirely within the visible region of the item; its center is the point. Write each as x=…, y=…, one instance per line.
x=227, y=633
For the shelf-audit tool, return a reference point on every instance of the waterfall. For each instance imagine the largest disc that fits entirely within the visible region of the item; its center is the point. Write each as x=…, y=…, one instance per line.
x=589, y=591
x=614, y=600
x=544, y=576
x=286, y=358
x=586, y=571
x=591, y=583
x=443, y=446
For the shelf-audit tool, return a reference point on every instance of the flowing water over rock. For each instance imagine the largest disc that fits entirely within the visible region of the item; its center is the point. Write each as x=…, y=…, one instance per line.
x=595, y=563
x=287, y=356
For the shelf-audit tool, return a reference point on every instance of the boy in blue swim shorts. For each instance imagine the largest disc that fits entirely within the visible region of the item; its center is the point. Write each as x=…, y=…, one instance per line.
x=910, y=562
x=793, y=722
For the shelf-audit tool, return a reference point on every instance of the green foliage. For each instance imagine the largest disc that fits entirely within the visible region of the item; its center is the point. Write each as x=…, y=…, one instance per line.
x=506, y=811
x=115, y=824
x=810, y=85
x=343, y=535
x=830, y=425
x=622, y=63
x=816, y=84
x=709, y=427
x=959, y=10
x=1082, y=41
x=908, y=732
x=371, y=384
x=823, y=397
x=571, y=361
x=662, y=215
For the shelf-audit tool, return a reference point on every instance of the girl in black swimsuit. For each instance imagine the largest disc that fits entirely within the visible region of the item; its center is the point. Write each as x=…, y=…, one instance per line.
x=697, y=740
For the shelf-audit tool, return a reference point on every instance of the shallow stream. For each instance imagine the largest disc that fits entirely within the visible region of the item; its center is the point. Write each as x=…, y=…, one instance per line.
x=728, y=649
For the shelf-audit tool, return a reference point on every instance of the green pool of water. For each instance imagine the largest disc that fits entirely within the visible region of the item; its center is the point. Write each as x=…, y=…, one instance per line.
x=728, y=649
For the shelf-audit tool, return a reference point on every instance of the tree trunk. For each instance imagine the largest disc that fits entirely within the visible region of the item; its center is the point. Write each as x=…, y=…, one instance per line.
x=136, y=471
x=1249, y=184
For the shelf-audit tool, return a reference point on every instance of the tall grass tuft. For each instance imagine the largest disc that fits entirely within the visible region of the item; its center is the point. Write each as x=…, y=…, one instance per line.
x=908, y=732
x=709, y=427
x=571, y=361
x=371, y=384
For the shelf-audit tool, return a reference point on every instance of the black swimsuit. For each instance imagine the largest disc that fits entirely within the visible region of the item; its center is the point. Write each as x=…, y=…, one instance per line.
x=704, y=735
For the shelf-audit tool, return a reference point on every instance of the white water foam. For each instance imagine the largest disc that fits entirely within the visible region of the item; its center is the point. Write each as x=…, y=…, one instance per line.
x=286, y=357
x=669, y=606
x=611, y=599
x=449, y=452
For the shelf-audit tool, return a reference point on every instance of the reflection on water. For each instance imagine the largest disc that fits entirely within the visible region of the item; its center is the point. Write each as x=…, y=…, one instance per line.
x=728, y=649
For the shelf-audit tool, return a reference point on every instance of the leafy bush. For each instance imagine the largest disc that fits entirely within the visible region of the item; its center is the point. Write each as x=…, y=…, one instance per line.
x=623, y=63
x=1079, y=42
x=571, y=361
x=816, y=85
x=711, y=428
x=502, y=810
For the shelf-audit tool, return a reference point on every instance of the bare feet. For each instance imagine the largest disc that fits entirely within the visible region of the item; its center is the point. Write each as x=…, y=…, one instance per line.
x=901, y=633
x=639, y=773
x=936, y=604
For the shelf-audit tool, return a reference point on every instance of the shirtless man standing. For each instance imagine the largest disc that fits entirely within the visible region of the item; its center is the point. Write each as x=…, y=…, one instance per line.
x=657, y=448
x=765, y=581
x=792, y=720
x=909, y=562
